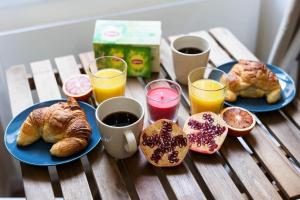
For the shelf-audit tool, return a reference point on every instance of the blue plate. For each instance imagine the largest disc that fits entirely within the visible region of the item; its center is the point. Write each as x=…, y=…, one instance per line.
x=259, y=104
x=38, y=152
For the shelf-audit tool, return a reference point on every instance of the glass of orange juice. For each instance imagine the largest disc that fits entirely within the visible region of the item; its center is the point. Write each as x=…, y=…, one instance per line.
x=108, y=77
x=206, y=91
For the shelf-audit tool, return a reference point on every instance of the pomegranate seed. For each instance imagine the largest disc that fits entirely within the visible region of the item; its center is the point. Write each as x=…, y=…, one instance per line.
x=206, y=132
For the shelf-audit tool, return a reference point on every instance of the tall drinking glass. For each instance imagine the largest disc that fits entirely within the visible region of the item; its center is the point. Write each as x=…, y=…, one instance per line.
x=108, y=77
x=206, y=91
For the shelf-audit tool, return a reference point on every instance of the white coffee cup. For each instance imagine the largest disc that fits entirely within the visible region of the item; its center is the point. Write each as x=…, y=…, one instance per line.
x=183, y=62
x=120, y=141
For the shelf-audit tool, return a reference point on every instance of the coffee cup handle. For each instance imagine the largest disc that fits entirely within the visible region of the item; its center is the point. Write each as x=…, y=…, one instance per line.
x=130, y=145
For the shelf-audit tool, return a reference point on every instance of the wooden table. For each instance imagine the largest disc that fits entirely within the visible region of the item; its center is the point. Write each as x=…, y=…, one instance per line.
x=263, y=165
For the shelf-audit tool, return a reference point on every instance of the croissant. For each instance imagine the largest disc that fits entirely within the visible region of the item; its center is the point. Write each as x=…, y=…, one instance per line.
x=63, y=124
x=252, y=79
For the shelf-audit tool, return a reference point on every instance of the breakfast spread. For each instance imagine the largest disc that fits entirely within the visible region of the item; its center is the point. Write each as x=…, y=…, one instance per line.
x=131, y=48
x=252, y=79
x=164, y=143
x=78, y=87
x=239, y=121
x=206, y=132
x=63, y=124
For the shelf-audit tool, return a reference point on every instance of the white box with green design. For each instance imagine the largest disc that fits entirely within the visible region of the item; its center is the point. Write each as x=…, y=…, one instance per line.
x=137, y=42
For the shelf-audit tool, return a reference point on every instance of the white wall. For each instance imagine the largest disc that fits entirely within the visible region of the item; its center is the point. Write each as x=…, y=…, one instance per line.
x=19, y=14
x=271, y=14
x=15, y=14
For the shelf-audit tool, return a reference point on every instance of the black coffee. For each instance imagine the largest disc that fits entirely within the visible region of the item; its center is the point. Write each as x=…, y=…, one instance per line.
x=190, y=50
x=120, y=119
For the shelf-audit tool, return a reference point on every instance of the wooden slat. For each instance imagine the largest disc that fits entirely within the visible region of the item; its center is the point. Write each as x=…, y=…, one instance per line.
x=87, y=58
x=45, y=81
x=183, y=183
x=293, y=110
x=232, y=44
x=104, y=168
x=142, y=174
x=107, y=175
x=74, y=180
x=280, y=168
x=285, y=131
x=239, y=51
x=216, y=177
x=18, y=89
x=166, y=58
x=180, y=178
x=254, y=180
x=36, y=180
x=67, y=67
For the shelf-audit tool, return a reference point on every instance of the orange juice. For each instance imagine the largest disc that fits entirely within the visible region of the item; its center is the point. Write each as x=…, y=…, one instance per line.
x=108, y=83
x=206, y=95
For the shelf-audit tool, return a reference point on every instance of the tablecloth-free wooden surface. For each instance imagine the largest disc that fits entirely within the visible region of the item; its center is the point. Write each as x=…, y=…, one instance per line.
x=262, y=165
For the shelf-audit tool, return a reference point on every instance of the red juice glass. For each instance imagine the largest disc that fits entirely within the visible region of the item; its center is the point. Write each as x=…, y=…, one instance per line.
x=163, y=99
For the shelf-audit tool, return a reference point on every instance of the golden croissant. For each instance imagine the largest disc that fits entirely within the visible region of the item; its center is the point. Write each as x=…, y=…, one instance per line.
x=252, y=79
x=63, y=124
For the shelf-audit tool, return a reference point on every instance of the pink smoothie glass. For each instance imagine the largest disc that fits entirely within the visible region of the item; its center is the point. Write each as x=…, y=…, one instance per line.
x=163, y=99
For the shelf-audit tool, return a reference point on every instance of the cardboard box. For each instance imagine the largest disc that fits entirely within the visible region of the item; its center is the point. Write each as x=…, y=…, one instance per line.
x=137, y=42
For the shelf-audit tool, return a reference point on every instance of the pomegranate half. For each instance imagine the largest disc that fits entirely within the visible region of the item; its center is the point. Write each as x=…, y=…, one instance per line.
x=164, y=143
x=239, y=120
x=206, y=132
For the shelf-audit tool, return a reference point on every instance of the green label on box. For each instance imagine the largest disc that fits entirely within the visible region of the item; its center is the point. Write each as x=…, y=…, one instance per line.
x=139, y=61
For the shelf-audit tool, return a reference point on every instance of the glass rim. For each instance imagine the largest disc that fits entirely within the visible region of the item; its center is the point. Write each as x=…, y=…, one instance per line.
x=104, y=57
x=211, y=90
x=165, y=80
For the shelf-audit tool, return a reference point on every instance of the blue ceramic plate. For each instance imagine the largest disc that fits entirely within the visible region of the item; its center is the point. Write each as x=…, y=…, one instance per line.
x=38, y=153
x=259, y=104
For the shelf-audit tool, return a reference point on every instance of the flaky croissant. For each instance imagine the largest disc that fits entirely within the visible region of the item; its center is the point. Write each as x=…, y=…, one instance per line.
x=252, y=79
x=63, y=124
